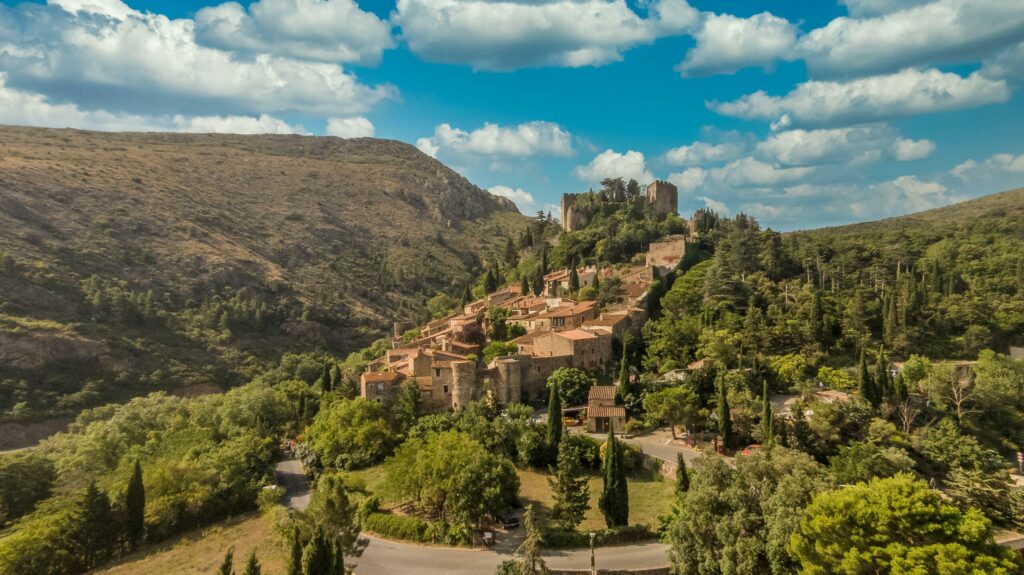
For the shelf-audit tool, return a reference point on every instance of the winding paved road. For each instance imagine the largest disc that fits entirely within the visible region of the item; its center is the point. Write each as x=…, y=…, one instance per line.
x=385, y=557
x=392, y=558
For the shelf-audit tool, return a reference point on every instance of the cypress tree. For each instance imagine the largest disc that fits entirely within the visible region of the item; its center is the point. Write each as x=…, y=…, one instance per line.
x=682, y=475
x=490, y=281
x=865, y=383
x=336, y=377
x=624, y=365
x=318, y=558
x=337, y=559
x=227, y=566
x=555, y=422
x=724, y=415
x=544, y=260
x=325, y=377
x=135, y=506
x=524, y=286
x=883, y=382
x=574, y=281
x=614, y=501
x=528, y=238
x=597, y=279
x=767, y=422
x=252, y=566
x=295, y=558
x=899, y=386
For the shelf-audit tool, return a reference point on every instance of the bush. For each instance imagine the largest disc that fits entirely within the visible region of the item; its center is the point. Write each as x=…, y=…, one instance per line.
x=397, y=527
x=567, y=539
x=636, y=427
x=632, y=457
x=269, y=497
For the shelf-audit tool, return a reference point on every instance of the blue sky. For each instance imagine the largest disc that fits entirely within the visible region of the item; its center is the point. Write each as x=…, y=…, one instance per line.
x=800, y=113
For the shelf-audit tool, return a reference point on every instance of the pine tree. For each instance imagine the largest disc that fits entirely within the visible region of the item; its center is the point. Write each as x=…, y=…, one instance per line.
x=724, y=415
x=570, y=487
x=135, y=506
x=614, y=501
x=252, y=566
x=682, y=475
x=295, y=558
x=555, y=423
x=865, y=382
x=94, y=536
x=227, y=566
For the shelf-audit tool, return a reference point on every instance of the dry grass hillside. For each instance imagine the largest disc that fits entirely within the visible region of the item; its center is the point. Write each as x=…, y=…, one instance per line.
x=150, y=261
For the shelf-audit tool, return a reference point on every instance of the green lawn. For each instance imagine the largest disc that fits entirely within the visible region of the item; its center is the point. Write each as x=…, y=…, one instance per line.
x=648, y=498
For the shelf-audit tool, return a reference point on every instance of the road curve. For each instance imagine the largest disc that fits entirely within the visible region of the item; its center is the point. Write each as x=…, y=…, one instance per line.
x=384, y=557
x=292, y=477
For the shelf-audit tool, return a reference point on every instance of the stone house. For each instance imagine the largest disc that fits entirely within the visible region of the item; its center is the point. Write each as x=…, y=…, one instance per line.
x=588, y=350
x=666, y=253
x=602, y=411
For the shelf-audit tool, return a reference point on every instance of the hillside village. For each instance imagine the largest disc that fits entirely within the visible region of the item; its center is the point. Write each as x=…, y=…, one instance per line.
x=554, y=331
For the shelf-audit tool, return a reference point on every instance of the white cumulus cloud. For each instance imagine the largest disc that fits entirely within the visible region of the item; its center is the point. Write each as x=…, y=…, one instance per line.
x=522, y=199
x=726, y=43
x=842, y=145
x=905, y=93
x=150, y=64
x=354, y=127
x=324, y=30
x=508, y=35
x=27, y=108
x=522, y=140
x=934, y=32
x=699, y=153
x=612, y=164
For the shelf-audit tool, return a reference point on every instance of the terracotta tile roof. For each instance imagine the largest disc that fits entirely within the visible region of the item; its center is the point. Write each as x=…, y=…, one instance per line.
x=380, y=376
x=425, y=383
x=577, y=334
x=608, y=320
x=601, y=392
x=606, y=411
x=557, y=275
x=530, y=337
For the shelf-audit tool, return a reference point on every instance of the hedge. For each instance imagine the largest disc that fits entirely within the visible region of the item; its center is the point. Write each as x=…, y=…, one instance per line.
x=396, y=526
x=565, y=539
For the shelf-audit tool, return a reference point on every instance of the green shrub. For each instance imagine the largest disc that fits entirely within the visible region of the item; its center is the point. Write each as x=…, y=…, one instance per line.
x=397, y=527
x=567, y=539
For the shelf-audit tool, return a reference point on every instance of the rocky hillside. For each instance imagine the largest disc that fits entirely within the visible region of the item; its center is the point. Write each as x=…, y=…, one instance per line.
x=139, y=261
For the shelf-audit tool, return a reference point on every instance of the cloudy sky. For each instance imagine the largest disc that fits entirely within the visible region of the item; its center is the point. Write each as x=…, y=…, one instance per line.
x=800, y=113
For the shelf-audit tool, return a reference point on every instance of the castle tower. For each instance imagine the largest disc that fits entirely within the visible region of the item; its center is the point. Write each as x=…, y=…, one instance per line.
x=664, y=196
x=510, y=381
x=463, y=383
x=568, y=200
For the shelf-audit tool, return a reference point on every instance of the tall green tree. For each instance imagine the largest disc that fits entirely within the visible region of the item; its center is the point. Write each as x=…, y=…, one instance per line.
x=570, y=487
x=883, y=379
x=682, y=475
x=318, y=556
x=135, y=506
x=574, y=280
x=252, y=566
x=325, y=377
x=295, y=556
x=227, y=565
x=555, y=423
x=724, y=414
x=614, y=501
x=524, y=285
x=94, y=537
x=767, y=418
x=532, y=560
x=866, y=383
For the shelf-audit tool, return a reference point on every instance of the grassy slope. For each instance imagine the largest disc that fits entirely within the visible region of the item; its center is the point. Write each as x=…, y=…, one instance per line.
x=200, y=552
x=360, y=232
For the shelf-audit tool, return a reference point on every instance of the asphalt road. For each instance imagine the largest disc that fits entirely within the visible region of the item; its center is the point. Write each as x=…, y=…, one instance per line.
x=392, y=558
x=292, y=477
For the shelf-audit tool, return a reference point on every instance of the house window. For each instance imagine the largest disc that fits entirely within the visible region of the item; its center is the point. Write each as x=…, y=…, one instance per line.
x=446, y=390
x=380, y=389
x=437, y=372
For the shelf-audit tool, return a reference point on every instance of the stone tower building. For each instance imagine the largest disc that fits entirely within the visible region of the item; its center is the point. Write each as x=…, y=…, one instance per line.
x=663, y=196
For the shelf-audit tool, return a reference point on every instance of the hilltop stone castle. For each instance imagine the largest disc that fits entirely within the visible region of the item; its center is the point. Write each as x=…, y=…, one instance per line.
x=662, y=195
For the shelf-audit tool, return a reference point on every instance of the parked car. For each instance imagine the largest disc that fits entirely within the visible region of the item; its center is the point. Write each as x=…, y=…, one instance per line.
x=509, y=521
